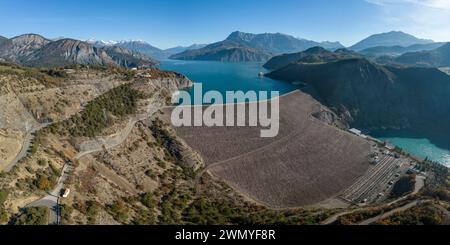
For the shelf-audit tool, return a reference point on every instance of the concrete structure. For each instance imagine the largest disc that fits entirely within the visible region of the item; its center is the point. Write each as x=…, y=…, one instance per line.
x=355, y=131
x=307, y=163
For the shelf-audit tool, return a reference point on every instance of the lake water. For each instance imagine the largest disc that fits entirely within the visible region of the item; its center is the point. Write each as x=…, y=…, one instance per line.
x=244, y=77
x=222, y=76
x=417, y=144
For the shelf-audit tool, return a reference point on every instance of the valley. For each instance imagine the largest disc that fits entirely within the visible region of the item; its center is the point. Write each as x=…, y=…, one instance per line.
x=87, y=136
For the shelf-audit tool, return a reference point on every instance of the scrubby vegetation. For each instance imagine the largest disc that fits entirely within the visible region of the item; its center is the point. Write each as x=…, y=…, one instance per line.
x=48, y=77
x=89, y=208
x=439, y=174
x=356, y=217
x=101, y=112
x=426, y=214
x=3, y=214
x=3, y=196
x=168, y=142
x=66, y=212
x=33, y=216
x=119, y=211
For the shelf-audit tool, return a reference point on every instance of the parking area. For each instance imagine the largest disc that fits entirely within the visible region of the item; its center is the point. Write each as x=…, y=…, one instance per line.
x=379, y=180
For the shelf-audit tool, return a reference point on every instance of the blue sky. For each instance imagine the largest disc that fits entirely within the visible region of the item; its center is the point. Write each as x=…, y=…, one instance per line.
x=168, y=23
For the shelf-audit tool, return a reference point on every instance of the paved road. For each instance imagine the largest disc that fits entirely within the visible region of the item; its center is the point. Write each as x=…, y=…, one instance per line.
x=25, y=147
x=51, y=201
x=101, y=143
x=335, y=217
x=392, y=212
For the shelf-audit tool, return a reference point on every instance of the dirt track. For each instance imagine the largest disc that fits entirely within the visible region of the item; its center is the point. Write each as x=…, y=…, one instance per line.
x=308, y=162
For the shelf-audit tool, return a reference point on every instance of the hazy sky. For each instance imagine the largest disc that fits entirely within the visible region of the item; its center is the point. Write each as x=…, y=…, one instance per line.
x=168, y=23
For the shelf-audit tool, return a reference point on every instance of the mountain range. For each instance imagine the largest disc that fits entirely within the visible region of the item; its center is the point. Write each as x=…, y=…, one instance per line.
x=241, y=47
x=276, y=48
x=35, y=50
x=226, y=51
x=439, y=57
x=398, y=50
x=144, y=47
x=389, y=39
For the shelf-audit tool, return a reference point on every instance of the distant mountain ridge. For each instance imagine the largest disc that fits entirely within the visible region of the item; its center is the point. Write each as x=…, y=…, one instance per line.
x=439, y=57
x=226, y=51
x=181, y=49
x=278, y=43
x=35, y=50
x=251, y=47
x=144, y=47
x=312, y=55
x=398, y=50
x=100, y=43
x=393, y=38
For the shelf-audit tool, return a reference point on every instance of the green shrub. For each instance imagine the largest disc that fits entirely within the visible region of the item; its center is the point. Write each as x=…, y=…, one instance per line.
x=3, y=196
x=41, y=162
x=119, y=211
x=66, y=213
x=3, y=215
x=33, y=216
x=148, y=200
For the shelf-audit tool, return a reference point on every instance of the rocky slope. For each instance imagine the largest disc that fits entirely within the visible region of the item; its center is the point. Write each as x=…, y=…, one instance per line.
x=371, y=96
x=128, y=58
x=35, y=50
x=18, y=48
x=393, y=38
x=67, y=52
x=144, y=48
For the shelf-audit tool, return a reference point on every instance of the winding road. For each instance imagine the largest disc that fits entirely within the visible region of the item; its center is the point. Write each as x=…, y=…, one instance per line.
x=25, y=147
x=387, y=214
x=109, y=142
x=51, y=201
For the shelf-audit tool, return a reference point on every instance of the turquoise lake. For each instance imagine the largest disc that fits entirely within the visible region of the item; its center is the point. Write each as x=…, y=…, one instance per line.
x=417, y=145
x=224, y=77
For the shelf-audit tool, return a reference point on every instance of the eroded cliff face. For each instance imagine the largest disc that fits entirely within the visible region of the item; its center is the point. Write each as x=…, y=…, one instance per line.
x=18, y=48
x=371, y=96
x=37, y=51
